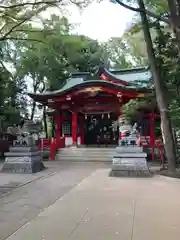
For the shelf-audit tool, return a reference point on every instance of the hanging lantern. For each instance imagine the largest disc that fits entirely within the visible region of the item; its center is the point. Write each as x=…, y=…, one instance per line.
x=86, y=116
x=108, y=115
x=102, y=115
x=119, y=95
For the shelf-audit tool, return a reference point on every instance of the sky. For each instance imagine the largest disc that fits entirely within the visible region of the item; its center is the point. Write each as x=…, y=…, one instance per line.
x=101, y=21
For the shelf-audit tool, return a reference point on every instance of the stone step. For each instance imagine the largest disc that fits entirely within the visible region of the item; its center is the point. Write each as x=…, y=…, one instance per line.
x=88, y=149
x=86, y=155
x=86, y=152
x=103, y=146
x=72, y=153
x=130, y=155
x=129, y=149
x=86, y=158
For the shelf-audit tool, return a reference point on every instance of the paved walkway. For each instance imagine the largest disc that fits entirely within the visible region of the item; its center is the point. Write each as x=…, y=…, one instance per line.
x=37, y=192
x=9, y=181
x=106, y=208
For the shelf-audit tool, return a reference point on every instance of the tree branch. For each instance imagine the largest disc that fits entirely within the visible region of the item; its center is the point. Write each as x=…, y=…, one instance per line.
x=2, y=38
x=12, y=29
x=30, y=4
x=151, y=14
x=21, y=39
x=3, y=26
x=36, y=31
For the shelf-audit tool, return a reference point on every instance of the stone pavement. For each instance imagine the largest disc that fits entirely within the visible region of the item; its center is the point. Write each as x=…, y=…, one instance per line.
x=37, y=192
x=9, y=181
x=100, y=207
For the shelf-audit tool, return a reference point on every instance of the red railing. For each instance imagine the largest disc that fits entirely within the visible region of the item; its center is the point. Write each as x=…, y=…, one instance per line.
x=160, y=146
x=45, y=143
x=53, y=145
x=145, y=141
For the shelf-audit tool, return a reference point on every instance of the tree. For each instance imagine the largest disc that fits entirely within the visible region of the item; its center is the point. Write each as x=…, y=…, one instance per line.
x=168, y=61
x=161, y=92
x=118, y=52
x=49, y=63
x=16, y=28
x=134, y=33
x=132, y=45
x=160, y=15
x=12, y=102
x=83, y=54
x=167, y=11
x=59, y=54
x=41, y=62
x=15, y=13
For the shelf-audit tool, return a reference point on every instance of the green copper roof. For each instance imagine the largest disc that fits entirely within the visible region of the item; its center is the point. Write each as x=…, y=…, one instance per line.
x=73, y=82
x=133, y=76
x=79, y=80
x=87, y=84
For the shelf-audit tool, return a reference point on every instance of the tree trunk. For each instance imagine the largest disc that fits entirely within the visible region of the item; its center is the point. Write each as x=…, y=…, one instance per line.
x=33, y=110
x=45, y=122
x=160, y=94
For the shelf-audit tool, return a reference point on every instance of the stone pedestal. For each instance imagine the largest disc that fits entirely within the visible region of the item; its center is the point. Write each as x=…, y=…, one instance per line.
x=129, y=161
x=23, y=159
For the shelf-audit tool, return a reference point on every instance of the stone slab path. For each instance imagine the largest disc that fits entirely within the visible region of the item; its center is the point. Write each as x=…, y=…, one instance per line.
x=36, y=192
x=105, y=208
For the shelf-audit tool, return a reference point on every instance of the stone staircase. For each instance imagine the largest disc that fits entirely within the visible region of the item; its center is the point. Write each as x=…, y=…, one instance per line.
x=91, y=154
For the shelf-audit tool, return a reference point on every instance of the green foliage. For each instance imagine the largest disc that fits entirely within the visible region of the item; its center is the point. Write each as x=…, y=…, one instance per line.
x=159, y=6
x=134, y=36
x=15, y=13
x=10, y=101
x=50, y=62
x=135, y=108
x=119, y=55
x=82, y=53
x=130, y=110
x=129, y=50
x=30, y=53
x=167, y=54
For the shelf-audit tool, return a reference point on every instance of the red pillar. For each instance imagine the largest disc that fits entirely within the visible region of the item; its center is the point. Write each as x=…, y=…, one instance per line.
x=55, y=143
x=152, y=135
x=58, y=128
x=82, y=130
x=74, y=128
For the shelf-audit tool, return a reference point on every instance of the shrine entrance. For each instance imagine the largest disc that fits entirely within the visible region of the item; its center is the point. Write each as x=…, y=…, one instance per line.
x=99, y=130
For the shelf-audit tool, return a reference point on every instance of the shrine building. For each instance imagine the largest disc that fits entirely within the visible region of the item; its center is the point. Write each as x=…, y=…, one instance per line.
x=86, y=111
